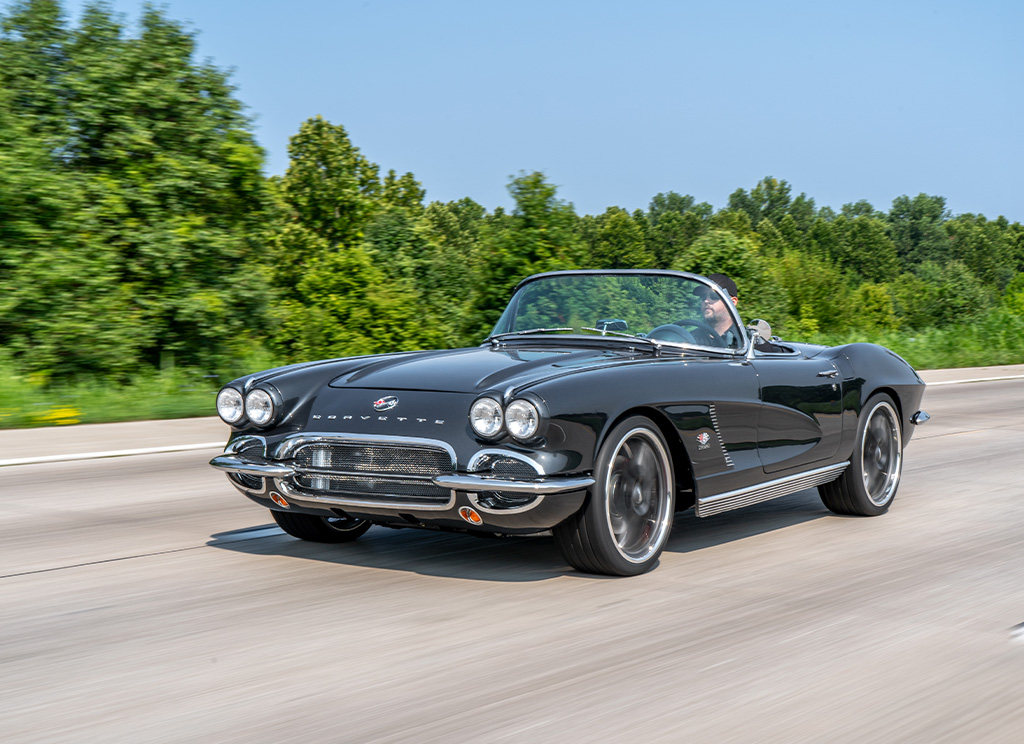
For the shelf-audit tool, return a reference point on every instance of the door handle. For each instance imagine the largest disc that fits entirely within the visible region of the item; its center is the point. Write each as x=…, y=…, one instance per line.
x=829, y=373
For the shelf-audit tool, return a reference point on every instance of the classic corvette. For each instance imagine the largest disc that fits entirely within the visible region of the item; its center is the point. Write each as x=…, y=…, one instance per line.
x=602, y=403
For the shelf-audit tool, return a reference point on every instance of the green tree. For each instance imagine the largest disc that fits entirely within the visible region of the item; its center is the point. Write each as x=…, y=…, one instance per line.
x=862, y=249
x=330, y=186
x=33, y=70
x=917, y=228
x=539, y=235
x=768, y=200
x=939, y=295
x=620, y=242
x=161, y=188
x=984, y=246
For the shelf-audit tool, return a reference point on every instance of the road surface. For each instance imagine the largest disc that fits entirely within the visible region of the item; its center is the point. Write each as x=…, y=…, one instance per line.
x=142, y=599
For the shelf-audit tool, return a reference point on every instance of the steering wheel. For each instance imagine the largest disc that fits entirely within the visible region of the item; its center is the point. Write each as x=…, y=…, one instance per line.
x=714, y=338
x=672, y=332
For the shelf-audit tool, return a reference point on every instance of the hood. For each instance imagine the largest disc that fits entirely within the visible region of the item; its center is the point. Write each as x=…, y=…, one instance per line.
x=473, y=370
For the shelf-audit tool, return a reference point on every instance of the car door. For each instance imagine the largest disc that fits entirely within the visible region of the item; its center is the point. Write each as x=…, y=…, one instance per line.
x=800, y=419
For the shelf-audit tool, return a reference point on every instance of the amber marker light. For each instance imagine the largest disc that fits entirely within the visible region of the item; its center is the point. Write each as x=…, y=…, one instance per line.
x=470, y=515
x=278, y=499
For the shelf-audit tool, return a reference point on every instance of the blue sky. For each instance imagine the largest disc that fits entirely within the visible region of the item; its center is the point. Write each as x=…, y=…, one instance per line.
x=616, y=102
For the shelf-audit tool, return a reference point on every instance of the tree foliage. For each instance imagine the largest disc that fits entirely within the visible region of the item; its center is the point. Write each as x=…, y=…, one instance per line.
x=137, y=228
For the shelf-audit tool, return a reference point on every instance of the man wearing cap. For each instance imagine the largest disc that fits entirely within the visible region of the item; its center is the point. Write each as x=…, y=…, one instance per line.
x=717, y=315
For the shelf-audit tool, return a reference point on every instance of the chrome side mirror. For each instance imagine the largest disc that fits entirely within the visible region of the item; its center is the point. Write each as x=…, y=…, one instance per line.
x=760, y=329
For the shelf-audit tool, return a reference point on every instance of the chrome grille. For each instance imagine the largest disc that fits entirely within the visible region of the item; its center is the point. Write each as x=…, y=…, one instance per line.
x=397, y=472
x=358, y=457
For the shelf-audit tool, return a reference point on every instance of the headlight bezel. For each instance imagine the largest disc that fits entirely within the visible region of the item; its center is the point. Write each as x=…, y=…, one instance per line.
x=534, y=407
x=497, y=417
x=260, y=407
x=514, y=413
x=238, y=398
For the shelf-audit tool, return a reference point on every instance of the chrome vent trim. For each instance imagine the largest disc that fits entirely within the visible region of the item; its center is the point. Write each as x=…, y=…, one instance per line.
x=504, y=464
x=248, y=445
x=739, y=498
x=718, y=433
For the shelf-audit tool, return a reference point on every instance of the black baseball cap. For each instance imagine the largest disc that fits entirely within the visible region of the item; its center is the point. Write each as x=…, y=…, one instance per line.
x=725, y=283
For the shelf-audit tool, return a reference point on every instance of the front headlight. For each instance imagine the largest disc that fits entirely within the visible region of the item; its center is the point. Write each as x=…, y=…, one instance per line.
x=485, y=417
x=522, y=419
x=229, y=405
x=259, y=407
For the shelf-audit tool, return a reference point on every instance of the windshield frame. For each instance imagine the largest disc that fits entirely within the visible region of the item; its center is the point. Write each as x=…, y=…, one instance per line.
x=514, y=300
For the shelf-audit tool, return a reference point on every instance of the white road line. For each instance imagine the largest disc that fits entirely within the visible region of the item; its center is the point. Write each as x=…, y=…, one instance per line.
x=110, y=453
x=976, y=379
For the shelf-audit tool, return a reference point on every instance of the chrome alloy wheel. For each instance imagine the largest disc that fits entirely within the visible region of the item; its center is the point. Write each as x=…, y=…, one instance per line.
x=638, y=492
x=881, y=456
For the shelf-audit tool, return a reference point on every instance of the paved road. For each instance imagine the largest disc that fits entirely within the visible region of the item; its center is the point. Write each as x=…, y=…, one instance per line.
x=143, y=600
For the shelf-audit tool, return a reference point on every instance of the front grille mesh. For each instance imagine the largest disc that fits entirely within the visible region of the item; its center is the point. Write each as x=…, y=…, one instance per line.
x=373, y=471
x=373, y=458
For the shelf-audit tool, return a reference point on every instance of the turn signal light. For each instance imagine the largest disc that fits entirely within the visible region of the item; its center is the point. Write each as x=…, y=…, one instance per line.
x=278, y=499
x=470, y=515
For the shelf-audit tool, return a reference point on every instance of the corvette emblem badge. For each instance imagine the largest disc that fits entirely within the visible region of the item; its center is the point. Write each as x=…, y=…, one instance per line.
x=386, y=403
x=703, y=439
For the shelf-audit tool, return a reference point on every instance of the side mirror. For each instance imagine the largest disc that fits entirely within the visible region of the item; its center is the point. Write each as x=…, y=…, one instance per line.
x=760, y=329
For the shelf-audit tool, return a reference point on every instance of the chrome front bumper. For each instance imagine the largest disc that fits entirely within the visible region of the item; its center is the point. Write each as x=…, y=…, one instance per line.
x=230, y=463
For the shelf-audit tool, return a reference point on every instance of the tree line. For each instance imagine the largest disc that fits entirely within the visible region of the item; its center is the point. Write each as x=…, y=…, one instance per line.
x=137, y=229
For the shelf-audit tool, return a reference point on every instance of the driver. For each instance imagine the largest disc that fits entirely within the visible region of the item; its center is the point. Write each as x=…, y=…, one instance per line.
x=718, y=317
x=715, y=312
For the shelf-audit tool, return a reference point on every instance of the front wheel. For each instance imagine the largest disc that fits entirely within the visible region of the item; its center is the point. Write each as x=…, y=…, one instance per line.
x=625, y=523
x=320, y=529
x=868, y=485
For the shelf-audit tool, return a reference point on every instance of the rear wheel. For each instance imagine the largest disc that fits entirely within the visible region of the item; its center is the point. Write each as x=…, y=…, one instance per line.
x=321, y=529
x=868, y=485
x=625, y=523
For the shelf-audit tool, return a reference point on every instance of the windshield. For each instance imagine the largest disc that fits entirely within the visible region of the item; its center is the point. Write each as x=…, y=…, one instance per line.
x=667, y=308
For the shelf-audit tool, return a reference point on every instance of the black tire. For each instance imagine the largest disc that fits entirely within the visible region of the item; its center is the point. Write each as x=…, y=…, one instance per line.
x=868, y=485
x=627, y=518
x=320, y=529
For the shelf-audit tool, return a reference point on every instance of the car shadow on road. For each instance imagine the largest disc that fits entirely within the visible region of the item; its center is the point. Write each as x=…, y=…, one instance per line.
x=508, y=559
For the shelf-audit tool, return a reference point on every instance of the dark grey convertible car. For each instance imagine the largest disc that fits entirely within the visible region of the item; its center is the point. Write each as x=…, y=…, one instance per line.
x=602, y=403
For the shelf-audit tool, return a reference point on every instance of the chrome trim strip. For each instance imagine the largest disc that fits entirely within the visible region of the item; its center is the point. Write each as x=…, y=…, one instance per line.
x=474, y=499
x=476, y=483
x=233, y=464
x=244, y=442
x=475, y=460
x=342, y=501
x=708, y=505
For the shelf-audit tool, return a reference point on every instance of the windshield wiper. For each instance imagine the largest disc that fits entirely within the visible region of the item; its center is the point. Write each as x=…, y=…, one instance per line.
x=631, y=336
x=497, y=336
